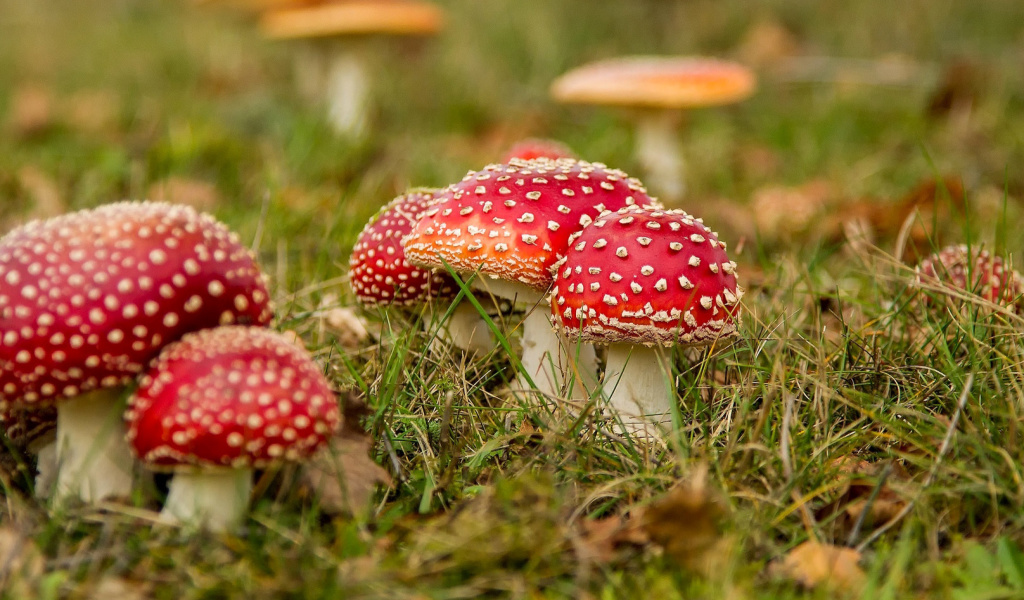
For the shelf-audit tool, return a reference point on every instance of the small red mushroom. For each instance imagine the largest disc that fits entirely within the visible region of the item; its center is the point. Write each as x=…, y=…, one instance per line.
x=979, y=272
x=641, y=278
x=511, y=223
x=380, y=275
x=220, y=403
x=88, y=298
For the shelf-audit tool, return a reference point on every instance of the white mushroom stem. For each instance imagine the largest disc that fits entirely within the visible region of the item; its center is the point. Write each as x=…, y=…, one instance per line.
x=547, y=355
x=639, y=385
x=93, y=459
x=465, y=329
x=657, y=150
x=214, y=500
x=347, y=89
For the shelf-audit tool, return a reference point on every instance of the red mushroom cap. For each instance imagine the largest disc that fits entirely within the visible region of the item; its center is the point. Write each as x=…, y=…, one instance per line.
x=513, y=221
x=989, y=276
x=646, y=276
x=88, y=298
x=379, y=272
x=534, y=148
x=231, y=397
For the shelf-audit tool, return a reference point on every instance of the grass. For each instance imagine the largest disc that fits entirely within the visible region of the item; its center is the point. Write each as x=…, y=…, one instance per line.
x=840, y=358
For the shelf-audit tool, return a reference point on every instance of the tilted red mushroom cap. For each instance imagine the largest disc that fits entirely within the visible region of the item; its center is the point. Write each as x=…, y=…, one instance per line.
x=231, y=397
x=88, y=298
x=534, y=148
x=647, y=276
x=512, y=221
x=988, y=276
x=379, y=271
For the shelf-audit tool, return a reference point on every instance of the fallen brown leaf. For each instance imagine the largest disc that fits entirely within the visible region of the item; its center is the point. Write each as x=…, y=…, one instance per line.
x=46, y=195
x=767, y=43
x=116, y=588
x=92, y=111
x=859, y=480
x=31, y=111
x=685, y=523
x=198, y=194
x=782, y=213
x=814, y=564
x=346, y=325
x=343, y=476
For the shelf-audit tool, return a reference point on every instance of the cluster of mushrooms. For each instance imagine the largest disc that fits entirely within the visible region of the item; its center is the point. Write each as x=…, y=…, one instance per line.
x=162, y=296
x=590, y=256
x=162, y=304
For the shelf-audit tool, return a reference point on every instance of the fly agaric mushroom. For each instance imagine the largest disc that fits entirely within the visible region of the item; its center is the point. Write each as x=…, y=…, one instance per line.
x=220, y=403
x=959, y=268
x=533, y=148
x=658, y=87
x=638, y=280
x=511, y=223
x=88, y=298
x=381, y=276
x=335, y=63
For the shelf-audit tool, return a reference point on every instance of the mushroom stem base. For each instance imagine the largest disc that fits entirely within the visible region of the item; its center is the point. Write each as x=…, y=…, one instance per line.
x=348, y=90
x=46, y=469
x=215, y=501
x=465, y=329
x=93, y=459
x=639, y=387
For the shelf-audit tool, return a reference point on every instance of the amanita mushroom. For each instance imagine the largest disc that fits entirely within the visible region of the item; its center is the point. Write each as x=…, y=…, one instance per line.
x=640, y=280
x=220, y=403
x=336, y=63
x=511, y=223
x=658, y=87
x=88, y=298
x=975, y=271
x=380, y=275
x=533, y=148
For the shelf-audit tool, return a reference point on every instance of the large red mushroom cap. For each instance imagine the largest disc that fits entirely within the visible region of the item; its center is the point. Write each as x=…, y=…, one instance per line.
x=534, y=148
x=646, y=276
x=513, y=221
x=231, y=397
x=88, y=298
x=379, y=272
x=979, y=272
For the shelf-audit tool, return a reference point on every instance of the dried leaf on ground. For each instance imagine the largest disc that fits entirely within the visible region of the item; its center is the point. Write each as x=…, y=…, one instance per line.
x=21, y=563
x=196, y=193
x=783, y=212
x=859, y=479
x=92, y=111
x=44, y=191
x=766, y=44
x=814, y=564
x=343, y=476
x=31, y=111
x=685, y=523
x=345, y=324
x=116, y=588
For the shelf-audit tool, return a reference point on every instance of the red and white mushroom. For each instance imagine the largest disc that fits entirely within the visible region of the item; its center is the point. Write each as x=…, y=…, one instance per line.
x=380, y=275
x=220, y=403
x=88, y=298
x=641, y=279
x=961, y=269
x=511, y=223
